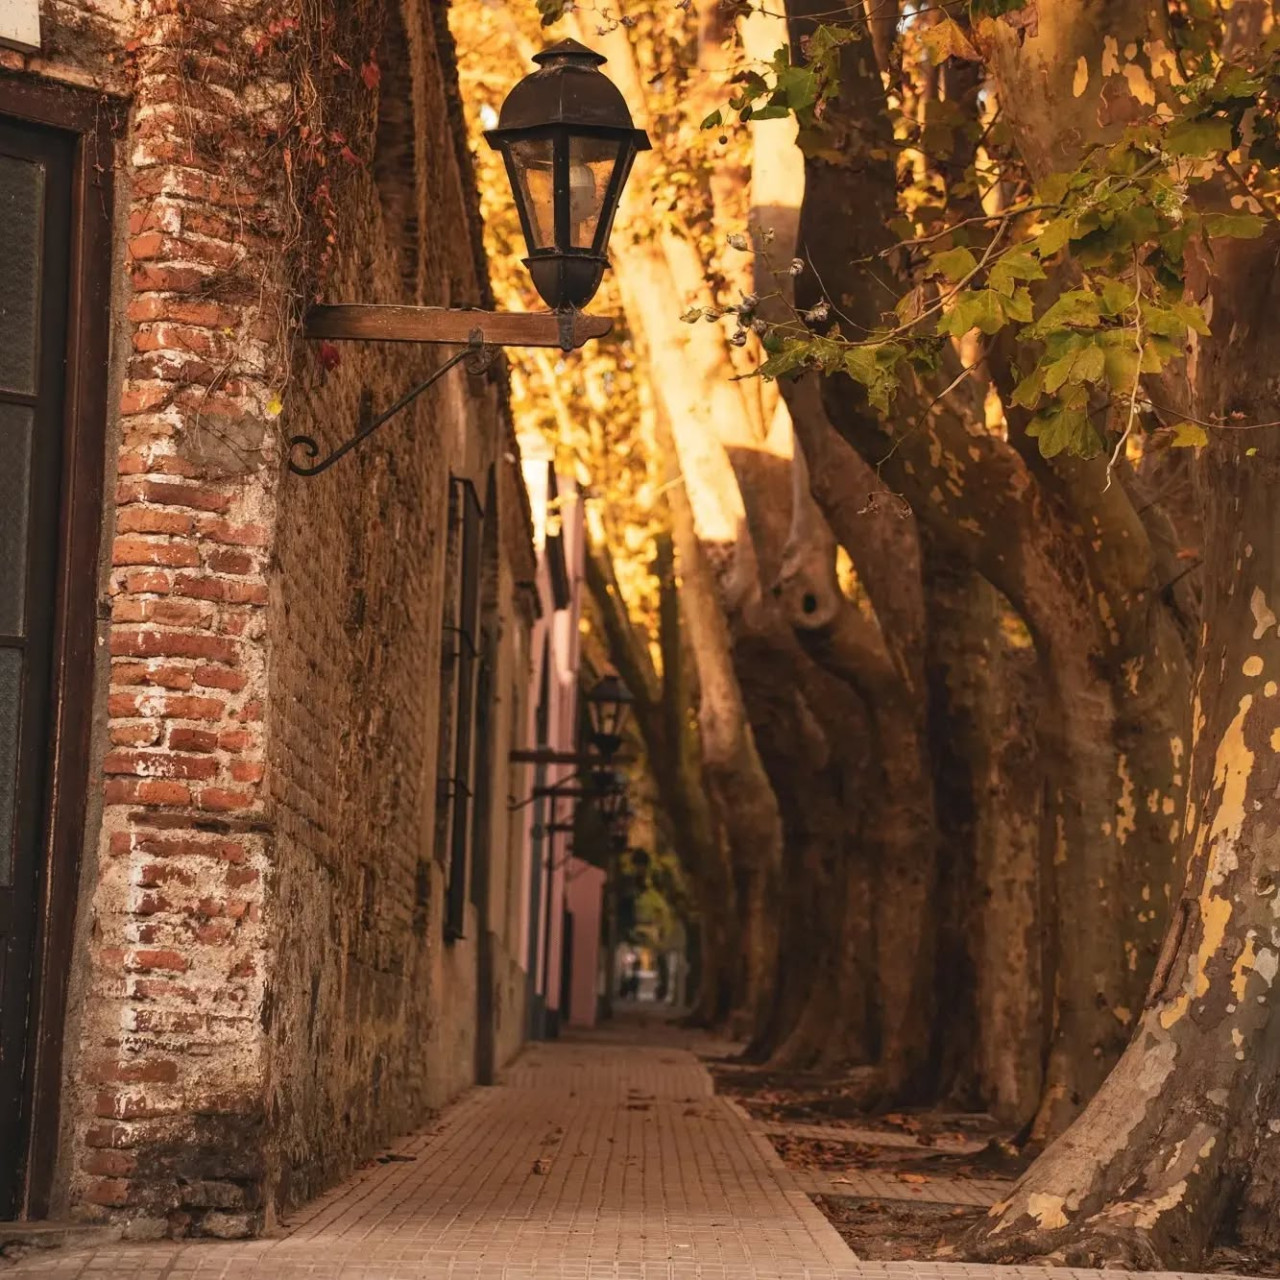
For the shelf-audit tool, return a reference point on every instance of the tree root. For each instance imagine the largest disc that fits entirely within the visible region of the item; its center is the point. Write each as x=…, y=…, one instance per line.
x=1085, y=1244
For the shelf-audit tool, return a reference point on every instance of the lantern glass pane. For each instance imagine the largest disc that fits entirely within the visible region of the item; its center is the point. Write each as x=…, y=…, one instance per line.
x=591, y=163
x=531, y=162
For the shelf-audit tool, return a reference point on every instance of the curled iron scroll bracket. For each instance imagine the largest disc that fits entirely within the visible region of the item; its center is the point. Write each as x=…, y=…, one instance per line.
x=477, y=357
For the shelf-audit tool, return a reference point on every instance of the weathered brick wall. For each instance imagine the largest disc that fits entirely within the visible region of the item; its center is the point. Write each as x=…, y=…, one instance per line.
x=266, y=994
x=164, y=1103
x=371, y=1014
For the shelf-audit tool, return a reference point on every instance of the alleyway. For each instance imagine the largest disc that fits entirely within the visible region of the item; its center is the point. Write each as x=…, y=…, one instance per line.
x=598, y=1156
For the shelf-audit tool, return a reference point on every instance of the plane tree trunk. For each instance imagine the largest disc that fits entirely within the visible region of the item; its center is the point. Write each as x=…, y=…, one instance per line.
x=1181, y=1139
x=984, y=504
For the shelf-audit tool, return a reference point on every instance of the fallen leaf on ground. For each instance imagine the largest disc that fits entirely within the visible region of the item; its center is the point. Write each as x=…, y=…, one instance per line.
x=912, y=1177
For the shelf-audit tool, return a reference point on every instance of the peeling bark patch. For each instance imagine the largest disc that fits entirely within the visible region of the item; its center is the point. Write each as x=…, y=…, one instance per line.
x=1049, y=1211
x=1243, y=967
x=1263, y=615
x=1139, y=85
x=1081, y=81
x=1232, y=770
x=1126, y=809
x=1252, y=666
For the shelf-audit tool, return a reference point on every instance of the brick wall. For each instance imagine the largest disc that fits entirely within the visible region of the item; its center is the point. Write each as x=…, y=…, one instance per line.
x=165, y=1100
x=266, y=994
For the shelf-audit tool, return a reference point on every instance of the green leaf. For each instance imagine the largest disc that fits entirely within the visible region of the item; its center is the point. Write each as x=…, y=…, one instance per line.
x=1120, y=357
x=974, y=309
x=1064, y=428
x=1017, y=264
x=1055, y=236
x=1052, y=188
x=1189, y=435
x=1118, y=296
x=1192, y=316
x=1198, y=137
x=1027, y=392
x=1242, y=226
x=946, y=39
x=797, y=88
x=955, y=264
x=713, y=121
x=1075, y=307
x=1085, y=362
x=792, y=355
x=867, y=365
x=1157, y=351
x=1020, y=307
x=551, y=11
x=1172, y=321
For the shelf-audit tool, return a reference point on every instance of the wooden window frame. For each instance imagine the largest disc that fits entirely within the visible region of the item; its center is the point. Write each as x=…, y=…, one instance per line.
x=96, y=122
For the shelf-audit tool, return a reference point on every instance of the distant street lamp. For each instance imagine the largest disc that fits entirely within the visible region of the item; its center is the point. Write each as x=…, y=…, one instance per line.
x=608, y=704
x=593, y=778
x=613, y=806
x=568, y=141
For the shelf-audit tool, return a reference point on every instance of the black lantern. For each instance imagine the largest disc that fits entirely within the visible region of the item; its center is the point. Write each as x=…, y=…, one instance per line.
x=614, y=807
x=608, y=704
x=568, y=141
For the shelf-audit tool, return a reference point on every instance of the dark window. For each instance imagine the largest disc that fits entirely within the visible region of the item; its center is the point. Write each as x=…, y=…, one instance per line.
x=35, y=230
x=458, y=698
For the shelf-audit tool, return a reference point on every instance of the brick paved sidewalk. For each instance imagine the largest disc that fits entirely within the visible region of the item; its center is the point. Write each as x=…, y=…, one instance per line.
x=595, y=1158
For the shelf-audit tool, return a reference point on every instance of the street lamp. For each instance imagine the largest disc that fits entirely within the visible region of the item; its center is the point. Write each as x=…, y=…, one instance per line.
x=568, y=142
x=608, y=704
x=613, y=805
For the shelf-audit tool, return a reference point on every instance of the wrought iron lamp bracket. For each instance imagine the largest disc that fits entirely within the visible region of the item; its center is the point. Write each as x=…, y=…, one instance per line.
x=480, y=333
x=477, y=358
x=563, y=788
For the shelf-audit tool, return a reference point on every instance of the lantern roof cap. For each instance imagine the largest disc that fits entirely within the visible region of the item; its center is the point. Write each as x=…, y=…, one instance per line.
x=610, y=688
x=570, y=53
x=568, y=89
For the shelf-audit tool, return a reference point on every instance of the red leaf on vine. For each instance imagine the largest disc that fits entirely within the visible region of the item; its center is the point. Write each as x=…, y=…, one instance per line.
x=350, y=156
x=371, y=74
x=330, y=356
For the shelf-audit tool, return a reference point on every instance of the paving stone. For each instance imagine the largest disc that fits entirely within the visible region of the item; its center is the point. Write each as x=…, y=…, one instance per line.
x=596, y=1158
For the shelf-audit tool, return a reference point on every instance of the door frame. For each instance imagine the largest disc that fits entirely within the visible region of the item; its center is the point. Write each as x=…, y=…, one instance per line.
x=96, y=122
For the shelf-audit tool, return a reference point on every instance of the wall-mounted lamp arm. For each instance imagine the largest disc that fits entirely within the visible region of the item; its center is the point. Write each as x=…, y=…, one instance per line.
x=564, y=787
x=478, y=358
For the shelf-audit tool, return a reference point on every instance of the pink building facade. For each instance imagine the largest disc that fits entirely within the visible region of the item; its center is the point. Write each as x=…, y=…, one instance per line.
x=565, y=894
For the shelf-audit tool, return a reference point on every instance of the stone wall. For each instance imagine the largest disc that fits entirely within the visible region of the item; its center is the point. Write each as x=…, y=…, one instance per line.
x=263, y=994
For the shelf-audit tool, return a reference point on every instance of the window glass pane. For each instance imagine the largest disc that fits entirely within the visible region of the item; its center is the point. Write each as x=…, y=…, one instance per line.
x=15, y=483
x=591, y=162
x=21, y=229
x=535, y=182
x=10, y=717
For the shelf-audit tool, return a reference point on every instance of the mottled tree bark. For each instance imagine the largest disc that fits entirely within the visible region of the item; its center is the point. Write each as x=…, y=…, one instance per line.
x=984, y=504
x=1182, y=1132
